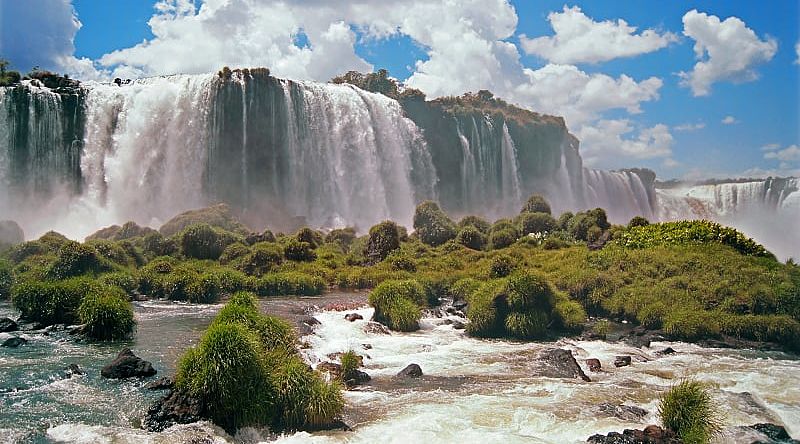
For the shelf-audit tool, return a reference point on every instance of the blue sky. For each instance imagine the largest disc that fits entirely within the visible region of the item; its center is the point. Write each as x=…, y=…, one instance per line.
x=625, y=98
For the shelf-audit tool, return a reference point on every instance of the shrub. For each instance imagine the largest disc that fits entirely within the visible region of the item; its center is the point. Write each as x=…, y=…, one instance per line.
x=397, y=303
x=230, y=281
x=6, y=279
x=341, y=236
x=295, y=250
x=52, y=302
x=503, y=238
x=107, y=315
x=263, y=258
x=218, y=216
x=324, y=404
x=201, y=241
x=563, y=220
x=273, y=333
x=688, y=410
x=232, y=252
x=227, y=370
x=289, y=283
x=638, y=221
x=528, y=325
x=383, y=239
x=75, y=259
x=122, y=280
x=601, y=328
x=313, y=238
x=569, y=315
x=536, y=204
x=463, y=288
x=25, y=250
x=401, y=262
x=529, y=291
x=306, y=400
x=476, y=222
x=155, y=244
x=471, y=237
x=536, y=223
x=501, y=266
x=487, y=311
x=431, y=224
x=350, y=362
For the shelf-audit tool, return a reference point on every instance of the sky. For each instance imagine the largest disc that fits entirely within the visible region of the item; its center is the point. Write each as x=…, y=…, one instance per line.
x=691, y=90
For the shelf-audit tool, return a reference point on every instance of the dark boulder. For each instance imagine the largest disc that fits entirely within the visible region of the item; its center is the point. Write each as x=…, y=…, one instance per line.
x=559, y=363
x=305, y=324
x=74, y=370
x=640, y=337
x=177, y=407
x=458, y=325
x=594, y=365
x=355, y=377
x=352, y=317
x=777, y=434
x=127, y=365
x=14, y=342
x=163, y=383
x=666, y=351
x=622, y=361
x=651, y=434
x=8, y=325
x=411, y=371
x=376, y=328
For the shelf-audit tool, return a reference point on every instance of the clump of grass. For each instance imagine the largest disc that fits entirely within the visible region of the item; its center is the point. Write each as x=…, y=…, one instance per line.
x=688, y=410
x=107, y=315
x=350, y=363
x=397, y=304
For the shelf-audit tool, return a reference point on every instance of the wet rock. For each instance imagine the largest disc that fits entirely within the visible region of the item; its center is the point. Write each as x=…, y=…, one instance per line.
x=30, y=326
x=356, y=377
x=74, y=370
x=333, y=369
x=594, y=365
x=177, y=407
x=559, y=363
x=622, y=411
x=651, y=434
x=666, y=351
x=8, y=325
x=411, y=371
x=366, y=346
x=642, y=337
x=352, y=317
x=775, y=433
x=163, y=383
x=458, y=325
x=127, y=365
x=376, y=328
x=306, y=324
x=14, y=342
x=622, y=361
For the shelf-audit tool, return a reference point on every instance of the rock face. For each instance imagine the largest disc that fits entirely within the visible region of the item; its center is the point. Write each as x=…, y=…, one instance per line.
x=411, y=371
x=175, y=408
x=127, y=365
x=651, y=434
x=14, y=342
x=10, y=233
x=163, y=383
x=594, y=365
x=640, y=337
x=8, y=325
x=559, y=363
x=352, y=317
x=622, y=361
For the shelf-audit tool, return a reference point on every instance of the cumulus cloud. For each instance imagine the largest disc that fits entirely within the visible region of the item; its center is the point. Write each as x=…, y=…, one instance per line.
x=41, y=33
x=690, y=127
x=729, y=120
x=789, y=154
x=605, y=141
x=726, y=50
x=580, y=39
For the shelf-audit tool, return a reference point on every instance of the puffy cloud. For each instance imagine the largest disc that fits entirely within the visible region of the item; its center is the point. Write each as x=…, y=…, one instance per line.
x=41, y=33
x=603, y=142
x=729, y=120
x=690, y=126
x=727, y=50
x=789, y=154
x=797, y=51
x=580, y=39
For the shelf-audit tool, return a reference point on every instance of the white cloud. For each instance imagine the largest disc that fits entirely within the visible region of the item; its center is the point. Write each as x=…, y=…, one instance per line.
x=789, y=154
x=41, y=33
x=690, y=127
x=726, y=50
x=729, y=120
x=580, y=39
x=797, y=51
x=603, y=142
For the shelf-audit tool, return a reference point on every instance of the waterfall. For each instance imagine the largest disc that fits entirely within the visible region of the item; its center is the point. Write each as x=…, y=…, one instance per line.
x=622, y=192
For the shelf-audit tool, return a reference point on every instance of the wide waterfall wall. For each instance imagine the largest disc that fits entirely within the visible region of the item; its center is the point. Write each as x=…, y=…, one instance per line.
x=281, y=153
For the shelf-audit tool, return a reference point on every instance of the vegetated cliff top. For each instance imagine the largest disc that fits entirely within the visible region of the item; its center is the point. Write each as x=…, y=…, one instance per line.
x=677, y=183
x=482, y=102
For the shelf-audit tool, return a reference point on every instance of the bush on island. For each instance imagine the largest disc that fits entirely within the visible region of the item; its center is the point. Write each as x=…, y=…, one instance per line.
x=52, y=302
x=201, y=241
x=75, y=259
x=107, y=315
x=431, y=224
x=476, y=222
x=383, y=239
x=299, y=251
x=536, y=204
x=536, y=223
x=397, y=304
x=471, y=238
x=688, y=409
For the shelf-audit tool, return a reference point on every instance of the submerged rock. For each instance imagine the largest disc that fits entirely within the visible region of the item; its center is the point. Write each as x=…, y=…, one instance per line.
x=622, y=361
x=74, y=370
x=651, y=434
x=666, y=351
x=163, y=383
x=411, y=371
x=177, y=407
x=622, y=411
x=14, y=342
x=127, y=365
x=594, y=365
x=8, y=325
x=559, y=363
x=352, y=317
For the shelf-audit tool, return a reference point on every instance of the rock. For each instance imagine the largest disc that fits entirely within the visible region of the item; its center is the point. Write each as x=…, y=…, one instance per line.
x=333, y=369
x=14, y=342
x=356, y=377
x=640, y=337
x=411, y=371
x=376, y=328
x=306, y=324
x=776, y=433
x=651, y=434
x=74, y=370
x=30, y=326
x=622, y=411
x=127, y=365
x=460, y=304
x=458, y=325
x=622, y=361
x=10, y=234
x=8, y=325
x=366, y=346
x=559, y=363
x=353, y=317
x=338, y=356
x=666, y=351
x=163, y=383
x=177, y=407
x=594, y=365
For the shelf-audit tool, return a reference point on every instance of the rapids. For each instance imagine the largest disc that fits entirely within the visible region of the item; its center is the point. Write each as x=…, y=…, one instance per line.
x=472, y=390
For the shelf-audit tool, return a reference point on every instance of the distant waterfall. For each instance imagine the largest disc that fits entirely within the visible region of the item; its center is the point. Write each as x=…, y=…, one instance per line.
x=623, y=192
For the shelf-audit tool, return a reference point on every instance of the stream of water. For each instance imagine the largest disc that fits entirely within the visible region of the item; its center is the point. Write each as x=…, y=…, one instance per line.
x=472, y=390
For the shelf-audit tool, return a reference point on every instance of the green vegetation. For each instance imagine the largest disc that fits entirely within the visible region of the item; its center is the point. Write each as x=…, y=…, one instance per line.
x=247, y=373
x=536, y=204
x=383, y=239
x=432, y=226
x=350, y=362
x=689, y=410
x=397, y=304
x=52, y=302
x=106, y=315
x=7, y=77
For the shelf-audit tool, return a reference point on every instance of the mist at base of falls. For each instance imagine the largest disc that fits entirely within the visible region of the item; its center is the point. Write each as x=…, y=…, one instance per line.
x=280, y=151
